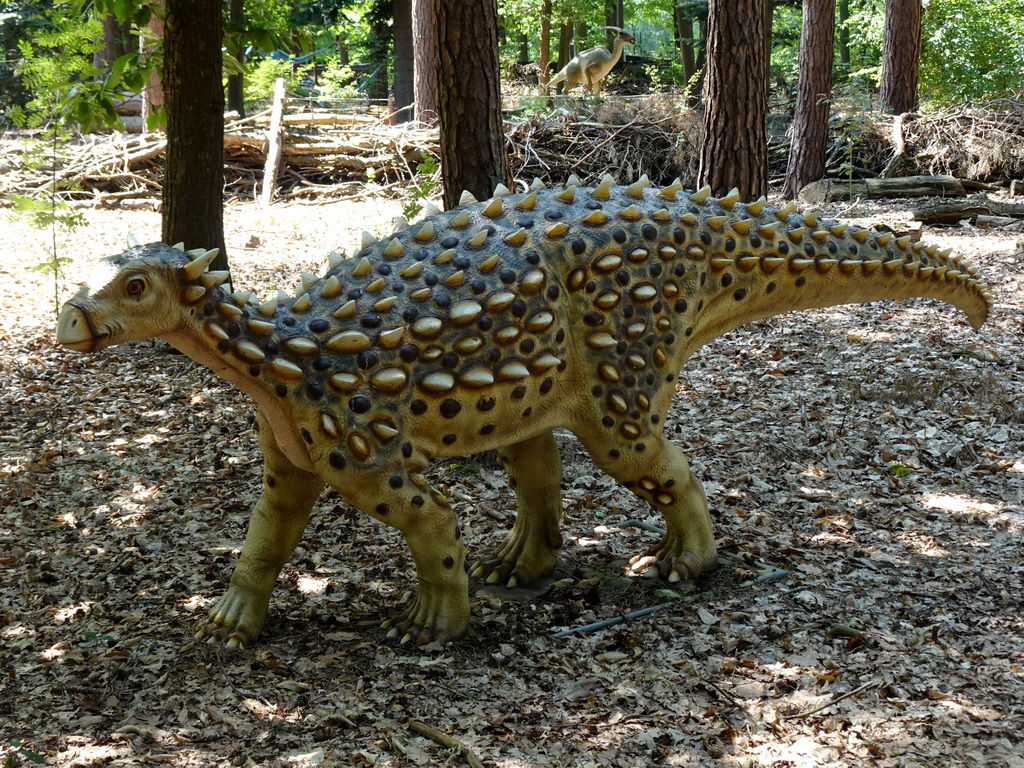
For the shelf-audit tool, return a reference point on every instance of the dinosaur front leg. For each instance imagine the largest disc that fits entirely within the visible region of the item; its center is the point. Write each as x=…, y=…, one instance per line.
x=534, y=469
x=401, y=497
x=275, y=528
x=657, y=471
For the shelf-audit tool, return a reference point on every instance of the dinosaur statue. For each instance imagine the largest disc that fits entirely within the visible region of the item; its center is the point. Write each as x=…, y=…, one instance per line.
x=488, y=326
x=592, y=65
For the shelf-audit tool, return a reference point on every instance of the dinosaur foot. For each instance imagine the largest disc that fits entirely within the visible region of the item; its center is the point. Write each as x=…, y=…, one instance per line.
x=234, y=621
x=520, y=561
x=428, y=620
x=672, y=561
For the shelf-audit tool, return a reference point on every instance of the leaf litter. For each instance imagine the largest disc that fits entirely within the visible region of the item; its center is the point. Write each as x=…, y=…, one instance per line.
x=871, y=458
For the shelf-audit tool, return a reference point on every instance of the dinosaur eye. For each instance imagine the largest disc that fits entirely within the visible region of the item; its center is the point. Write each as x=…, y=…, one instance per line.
x=135, y=288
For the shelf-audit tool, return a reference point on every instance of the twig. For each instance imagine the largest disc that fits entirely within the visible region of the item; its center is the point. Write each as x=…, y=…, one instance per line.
x=605, y=623
x=834, y=700
x=446, y=741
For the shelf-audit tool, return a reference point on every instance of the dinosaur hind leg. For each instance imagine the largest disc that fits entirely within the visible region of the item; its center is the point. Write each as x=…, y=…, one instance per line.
x=655, y=469
x=534, y=469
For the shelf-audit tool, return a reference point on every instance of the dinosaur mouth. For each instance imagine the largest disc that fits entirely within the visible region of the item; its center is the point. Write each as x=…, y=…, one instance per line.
x=75, y=330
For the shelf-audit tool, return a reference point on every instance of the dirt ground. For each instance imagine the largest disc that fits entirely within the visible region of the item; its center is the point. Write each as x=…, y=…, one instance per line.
x=864, y=465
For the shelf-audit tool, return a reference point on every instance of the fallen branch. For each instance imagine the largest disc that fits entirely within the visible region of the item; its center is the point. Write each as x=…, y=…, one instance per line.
x=418, y=726
x=834, y=700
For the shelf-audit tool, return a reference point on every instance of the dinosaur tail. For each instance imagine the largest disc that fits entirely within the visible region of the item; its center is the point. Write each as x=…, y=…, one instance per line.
x=762, y=262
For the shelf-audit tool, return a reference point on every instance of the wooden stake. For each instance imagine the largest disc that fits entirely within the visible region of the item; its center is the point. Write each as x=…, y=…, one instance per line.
x=274, y=136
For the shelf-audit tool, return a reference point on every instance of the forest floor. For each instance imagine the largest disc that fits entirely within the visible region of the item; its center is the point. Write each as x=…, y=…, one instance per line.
x=864, y=466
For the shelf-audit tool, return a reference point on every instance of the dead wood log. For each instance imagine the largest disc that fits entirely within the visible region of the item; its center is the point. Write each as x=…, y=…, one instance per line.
x=832, y=190
x=972, y=210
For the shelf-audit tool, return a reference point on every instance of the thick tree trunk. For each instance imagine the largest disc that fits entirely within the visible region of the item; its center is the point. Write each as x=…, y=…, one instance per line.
x=425, y=48
x=735, y=148
x=469, y=104
x=194, y=174
x=843, y=33
x=564, y=46
x=404, y=91
x=901, y=56
x=116, y=36
x=813, y=98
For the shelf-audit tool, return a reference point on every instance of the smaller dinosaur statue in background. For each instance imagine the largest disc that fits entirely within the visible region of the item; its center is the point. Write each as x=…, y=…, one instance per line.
x=592, y=65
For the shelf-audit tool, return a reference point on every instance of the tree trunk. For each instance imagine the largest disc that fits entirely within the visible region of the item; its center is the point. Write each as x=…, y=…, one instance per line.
x=236, y=82
x=472, y=137
x=116, y=37
x=194, y=174
x=404, y=90
x=153, y=93
x=813, y=97
x=844, y=38
x=544, y=55
x=901, y=56
x=380, y=39
x=564, y=45
x=425, y=49
x=684, y=34
x=735, y=148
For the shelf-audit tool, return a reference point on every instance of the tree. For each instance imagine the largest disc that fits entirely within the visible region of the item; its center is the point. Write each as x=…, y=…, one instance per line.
x=734, y=152
x=425, y=51
x=194, y=96
x=813, y=98
x=901, y=56
x=469, y=103
x=403, y=88
x=236, y=80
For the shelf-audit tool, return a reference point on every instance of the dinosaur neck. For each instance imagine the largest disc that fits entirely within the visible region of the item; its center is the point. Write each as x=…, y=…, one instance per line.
x=222, y=340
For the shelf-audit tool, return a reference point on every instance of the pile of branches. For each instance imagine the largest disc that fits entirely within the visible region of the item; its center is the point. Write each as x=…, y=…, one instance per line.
x=327, y=155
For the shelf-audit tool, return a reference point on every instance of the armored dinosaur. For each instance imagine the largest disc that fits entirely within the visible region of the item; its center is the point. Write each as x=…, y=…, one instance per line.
x=591, y=66
x=486, y=327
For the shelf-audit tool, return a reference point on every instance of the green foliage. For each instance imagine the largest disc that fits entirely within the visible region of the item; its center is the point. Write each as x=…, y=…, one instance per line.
x=425, y=185
x=339, y=82
x=973, y=50
x=19, y=754
x=259, y=83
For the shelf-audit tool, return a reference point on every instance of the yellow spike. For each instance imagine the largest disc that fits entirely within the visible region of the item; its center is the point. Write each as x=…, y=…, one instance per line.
x=636, y=189
x=466, y=197
x=742, y=227
x=500, y=190
x=334, y=260
x=374, y=286
x=747, y=263
x=839, y=229
x=385, y=304
x=366, y=240
x=398, y=223
x=661, y=214
x=669, y=192
x=567, y=195
x=785, y=211
x=478, y=239
x=689, y=219
x=362, y=268
x=261, y=327
x=268, y=308
x=286, y=370
x=755, y=208
x=630, y=213
x=870, y=265
x=903, y=242
x=241, y=298
x=413, y=270
x=557, y=229
x=796, y=235
x=701, y=195
x=214, y=278
x=445, y=256
x=892, y=265
x=193, y=293
x=721, y=262
x=717, y=222
x=730, y=199
x=860, y=235
x=883, y=238
x=771, y=263
x=517, y=238
x=595, y=218
x=911, y=268
x=768, y=230
x=346, y=311
x=494, y=208
x=302, y=303
x=798, y=265
x=426, y=233
x=821, y=235
x=489, y=263
x=573, y=181
x=846, y=266
x=537, y=184
x=824, y=265
x=460, y=220
x=603, y=190
x=394, y=249
x=528, y=203
x=811, y=219
x=308, y=281
x=198, y=265
x=391, y=337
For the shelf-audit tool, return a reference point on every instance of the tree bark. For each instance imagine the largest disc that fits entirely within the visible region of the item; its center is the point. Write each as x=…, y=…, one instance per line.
x=813, y=98
x=544, y=55
x=844, y=38
x=116, y=35
x=425, y=50
x=469, y=104
x=735, y=148
x=194, y=173
x=404, y=88
x=901, y=56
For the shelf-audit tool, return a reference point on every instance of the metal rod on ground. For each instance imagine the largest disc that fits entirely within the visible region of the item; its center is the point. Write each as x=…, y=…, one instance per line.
x=274, y=136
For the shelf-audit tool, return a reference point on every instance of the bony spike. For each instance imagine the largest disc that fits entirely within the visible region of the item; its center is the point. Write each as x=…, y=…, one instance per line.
x=198, y=265
x=701, y=195
x=573, y=181
x=366, y=240
x=132, y=241
x=466, y=197
x=730, y=199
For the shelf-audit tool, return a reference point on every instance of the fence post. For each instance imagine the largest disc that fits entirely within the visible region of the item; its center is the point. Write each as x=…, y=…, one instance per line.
x=275, y=134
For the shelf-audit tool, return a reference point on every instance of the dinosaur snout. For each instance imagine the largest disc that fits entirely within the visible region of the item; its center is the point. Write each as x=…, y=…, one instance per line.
x=74, y=330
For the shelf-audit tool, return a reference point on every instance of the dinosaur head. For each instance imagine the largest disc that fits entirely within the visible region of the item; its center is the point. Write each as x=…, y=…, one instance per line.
x=144, y=292
x=622, y=36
